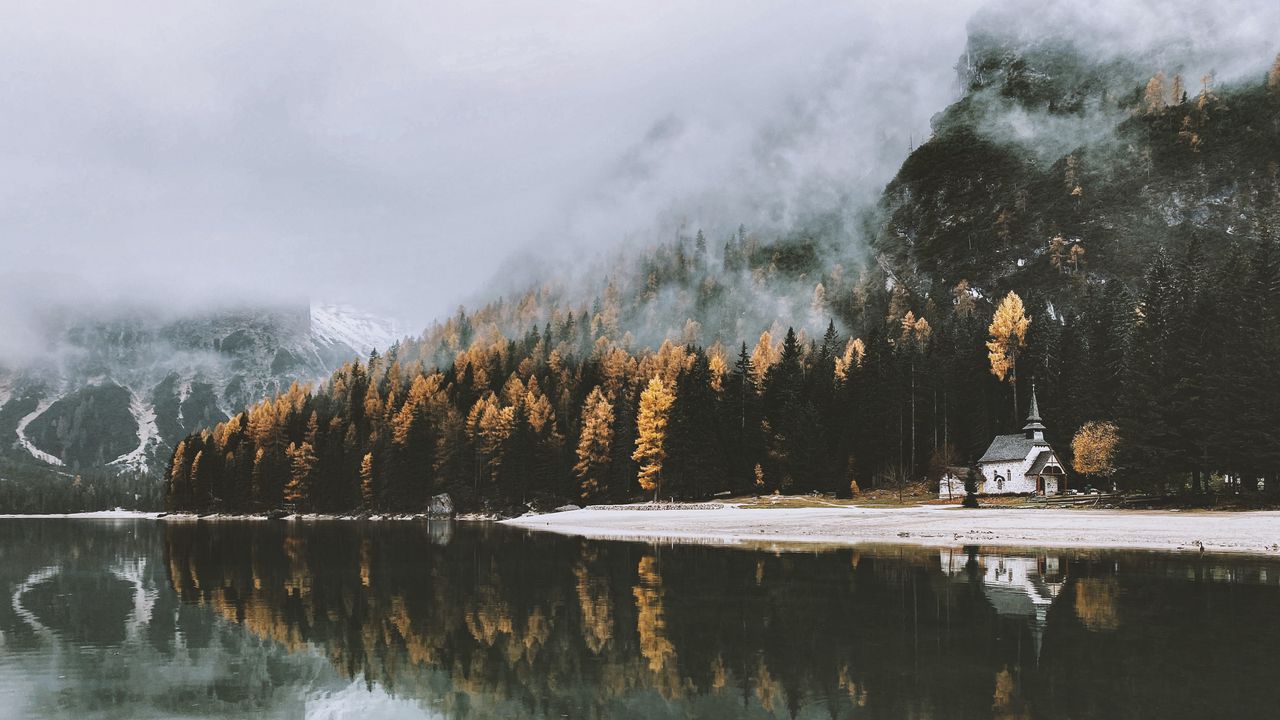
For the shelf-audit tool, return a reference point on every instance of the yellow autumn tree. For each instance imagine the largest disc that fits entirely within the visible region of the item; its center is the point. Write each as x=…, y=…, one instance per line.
x=594, y=444
x=1154, y=99
x=1206, y=96
x=366, y=481
x=651, y=433
x=1076, y=257
x=1093, y=448
x=1058, y=252
x=915, y=331
x=1008, y=337
x=766, y=353
x=177, y=478
x=962, y=298
x=819, y=302
x=414, y=409
x=489, y=424
x=302, y=460
x=199, y=488
x=718, y=362
x=1273, y=77
x=854, y=352
x=914, y=340
x=258, y=476
x=541, y=415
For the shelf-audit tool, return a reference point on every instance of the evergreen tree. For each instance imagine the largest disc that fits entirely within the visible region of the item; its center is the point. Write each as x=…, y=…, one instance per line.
x=1147, y=437
x=694, y=466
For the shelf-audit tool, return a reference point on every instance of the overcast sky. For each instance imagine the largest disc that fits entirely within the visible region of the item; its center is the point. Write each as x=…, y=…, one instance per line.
x=393, y=154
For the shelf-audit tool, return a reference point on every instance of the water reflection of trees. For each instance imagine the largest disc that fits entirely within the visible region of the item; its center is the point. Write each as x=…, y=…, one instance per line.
x=90, y=628
x=497, y=622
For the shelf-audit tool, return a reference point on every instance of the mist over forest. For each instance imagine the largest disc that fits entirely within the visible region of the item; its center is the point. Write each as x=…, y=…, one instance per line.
x=802, y=225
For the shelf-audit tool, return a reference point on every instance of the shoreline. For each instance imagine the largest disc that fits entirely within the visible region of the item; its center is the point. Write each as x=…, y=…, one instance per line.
x=91, y=515
x=219, y=517
x=1244, y=532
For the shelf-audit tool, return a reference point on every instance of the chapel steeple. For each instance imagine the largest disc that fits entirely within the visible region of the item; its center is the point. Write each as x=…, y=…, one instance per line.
x=1034, y=427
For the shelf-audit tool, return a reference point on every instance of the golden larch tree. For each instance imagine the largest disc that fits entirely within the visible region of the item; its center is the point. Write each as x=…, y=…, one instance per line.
x=854, y=352
x=595, y=443
x=1093, y=448
x=302, y=460
x=915, y=341
x=177, y=480
x=1273, y=77
x=962, y=298
x=199, y=489
x=651, y=433
x=1008, y=337
x=258, y=476
x=718, y=362
x=766, y=353
x=366, y=481
x=541, y=415
x=1154, y=98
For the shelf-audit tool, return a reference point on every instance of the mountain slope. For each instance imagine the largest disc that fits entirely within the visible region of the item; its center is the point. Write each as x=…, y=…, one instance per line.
x=1054, y=172
x=1069, y=180
x=117, y=389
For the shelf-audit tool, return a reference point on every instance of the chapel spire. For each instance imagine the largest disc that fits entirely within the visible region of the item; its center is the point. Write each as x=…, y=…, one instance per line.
x=1034, y=427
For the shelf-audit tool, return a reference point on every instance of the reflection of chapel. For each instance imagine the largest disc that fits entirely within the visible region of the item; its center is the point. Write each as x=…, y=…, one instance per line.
x=1022, y=462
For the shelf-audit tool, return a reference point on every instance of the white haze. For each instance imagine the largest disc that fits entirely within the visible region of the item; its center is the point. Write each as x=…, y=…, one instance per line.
x=397, y=155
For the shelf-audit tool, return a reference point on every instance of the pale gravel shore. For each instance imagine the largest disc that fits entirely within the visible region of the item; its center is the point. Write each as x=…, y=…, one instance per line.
x=95, y=515
x=938, y=526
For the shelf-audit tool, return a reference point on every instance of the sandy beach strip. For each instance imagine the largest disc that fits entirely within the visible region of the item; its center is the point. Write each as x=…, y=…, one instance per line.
x=93, y=515
x=939, y=526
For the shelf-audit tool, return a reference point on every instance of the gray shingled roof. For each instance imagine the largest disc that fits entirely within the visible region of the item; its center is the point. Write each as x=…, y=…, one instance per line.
x=1009, y=447
x=1042, y=459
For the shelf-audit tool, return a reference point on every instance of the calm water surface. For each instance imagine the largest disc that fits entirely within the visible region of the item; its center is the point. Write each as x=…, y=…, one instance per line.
x=399, y=620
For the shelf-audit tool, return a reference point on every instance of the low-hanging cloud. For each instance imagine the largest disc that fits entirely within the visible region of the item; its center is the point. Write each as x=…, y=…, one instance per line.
x=393, y=154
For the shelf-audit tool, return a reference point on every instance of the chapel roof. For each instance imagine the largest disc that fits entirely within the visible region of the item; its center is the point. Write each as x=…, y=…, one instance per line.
x=1010, y=447
x=1044, y=458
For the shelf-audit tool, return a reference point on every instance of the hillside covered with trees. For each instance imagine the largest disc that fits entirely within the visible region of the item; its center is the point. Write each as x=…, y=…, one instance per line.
x=1133, y=274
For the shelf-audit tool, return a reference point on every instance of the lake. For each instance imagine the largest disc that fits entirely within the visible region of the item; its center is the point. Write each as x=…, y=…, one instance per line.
x=143, y=619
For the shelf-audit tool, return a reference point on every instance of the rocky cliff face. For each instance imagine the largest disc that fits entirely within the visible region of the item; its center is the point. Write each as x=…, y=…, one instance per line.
x=117, y=388
x=1057, y=170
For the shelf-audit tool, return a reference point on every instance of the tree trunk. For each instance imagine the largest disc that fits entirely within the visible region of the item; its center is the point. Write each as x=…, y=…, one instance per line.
x=1013, y=380
x=911, y=461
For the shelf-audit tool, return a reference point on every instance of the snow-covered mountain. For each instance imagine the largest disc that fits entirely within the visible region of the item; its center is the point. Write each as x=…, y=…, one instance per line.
x=345, y=326
x=118, y=387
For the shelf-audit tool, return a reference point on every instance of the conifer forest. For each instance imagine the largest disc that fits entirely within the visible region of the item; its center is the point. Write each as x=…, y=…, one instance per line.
x=799, y=361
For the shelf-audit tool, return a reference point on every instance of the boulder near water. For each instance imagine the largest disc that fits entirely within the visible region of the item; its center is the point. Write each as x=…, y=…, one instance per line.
x=441, y=506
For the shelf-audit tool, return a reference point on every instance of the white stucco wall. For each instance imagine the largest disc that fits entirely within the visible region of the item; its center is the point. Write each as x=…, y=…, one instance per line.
x=1014, y=474
x=1015, y=477
x=950, y=487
